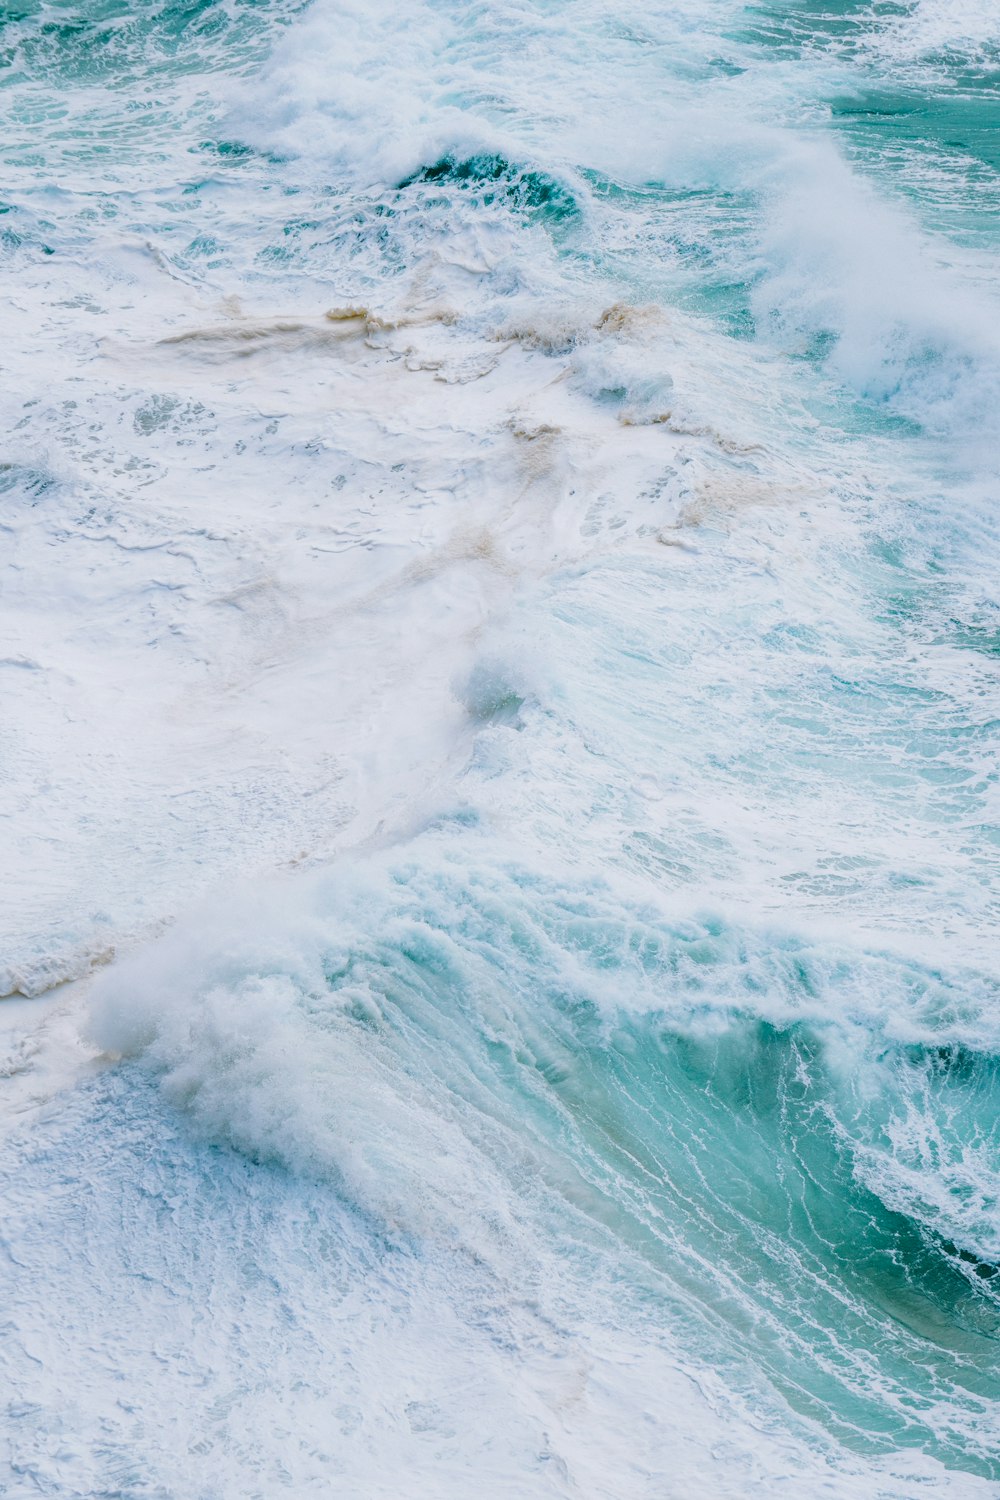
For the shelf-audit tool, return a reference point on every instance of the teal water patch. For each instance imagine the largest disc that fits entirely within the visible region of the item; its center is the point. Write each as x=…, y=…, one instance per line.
x=924, y=126
x=489, y=178
x=703, y=1118
x=114, y=42
x=960, y=122
x=790, y=29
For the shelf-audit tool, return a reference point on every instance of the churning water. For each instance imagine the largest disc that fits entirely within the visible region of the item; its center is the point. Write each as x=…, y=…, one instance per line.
x=499, y=518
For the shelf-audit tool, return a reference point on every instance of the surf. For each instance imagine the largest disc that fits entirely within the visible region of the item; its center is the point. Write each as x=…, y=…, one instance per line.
x=499, y=749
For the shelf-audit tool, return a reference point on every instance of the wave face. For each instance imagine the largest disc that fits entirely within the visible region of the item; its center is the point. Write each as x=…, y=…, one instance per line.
x=501, y=638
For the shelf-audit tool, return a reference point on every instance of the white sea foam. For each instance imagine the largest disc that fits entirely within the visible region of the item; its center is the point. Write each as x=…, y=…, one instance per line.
x=832, y=259
x=293, y=1343
x=558, y=734
x=932, y=28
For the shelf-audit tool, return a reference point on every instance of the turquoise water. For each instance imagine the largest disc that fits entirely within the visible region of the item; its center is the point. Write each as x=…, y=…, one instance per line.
x=643, y=1059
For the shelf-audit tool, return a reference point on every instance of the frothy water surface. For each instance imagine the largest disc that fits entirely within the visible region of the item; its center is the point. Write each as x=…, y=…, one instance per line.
x=501, y=740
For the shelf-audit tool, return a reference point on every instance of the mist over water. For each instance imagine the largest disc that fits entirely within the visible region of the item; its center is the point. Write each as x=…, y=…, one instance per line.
x=500, y=749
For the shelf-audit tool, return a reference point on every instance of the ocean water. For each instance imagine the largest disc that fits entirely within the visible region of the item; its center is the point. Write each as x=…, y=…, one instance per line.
x=499, y=756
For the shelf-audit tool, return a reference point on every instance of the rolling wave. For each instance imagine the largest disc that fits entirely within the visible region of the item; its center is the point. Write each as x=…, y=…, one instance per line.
x=501, y=680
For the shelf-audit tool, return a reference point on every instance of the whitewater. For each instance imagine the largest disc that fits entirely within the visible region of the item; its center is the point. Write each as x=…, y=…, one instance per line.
x=499, y=749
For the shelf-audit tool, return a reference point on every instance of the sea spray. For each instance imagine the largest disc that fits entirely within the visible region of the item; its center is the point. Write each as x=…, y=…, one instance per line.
x=501, y=673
